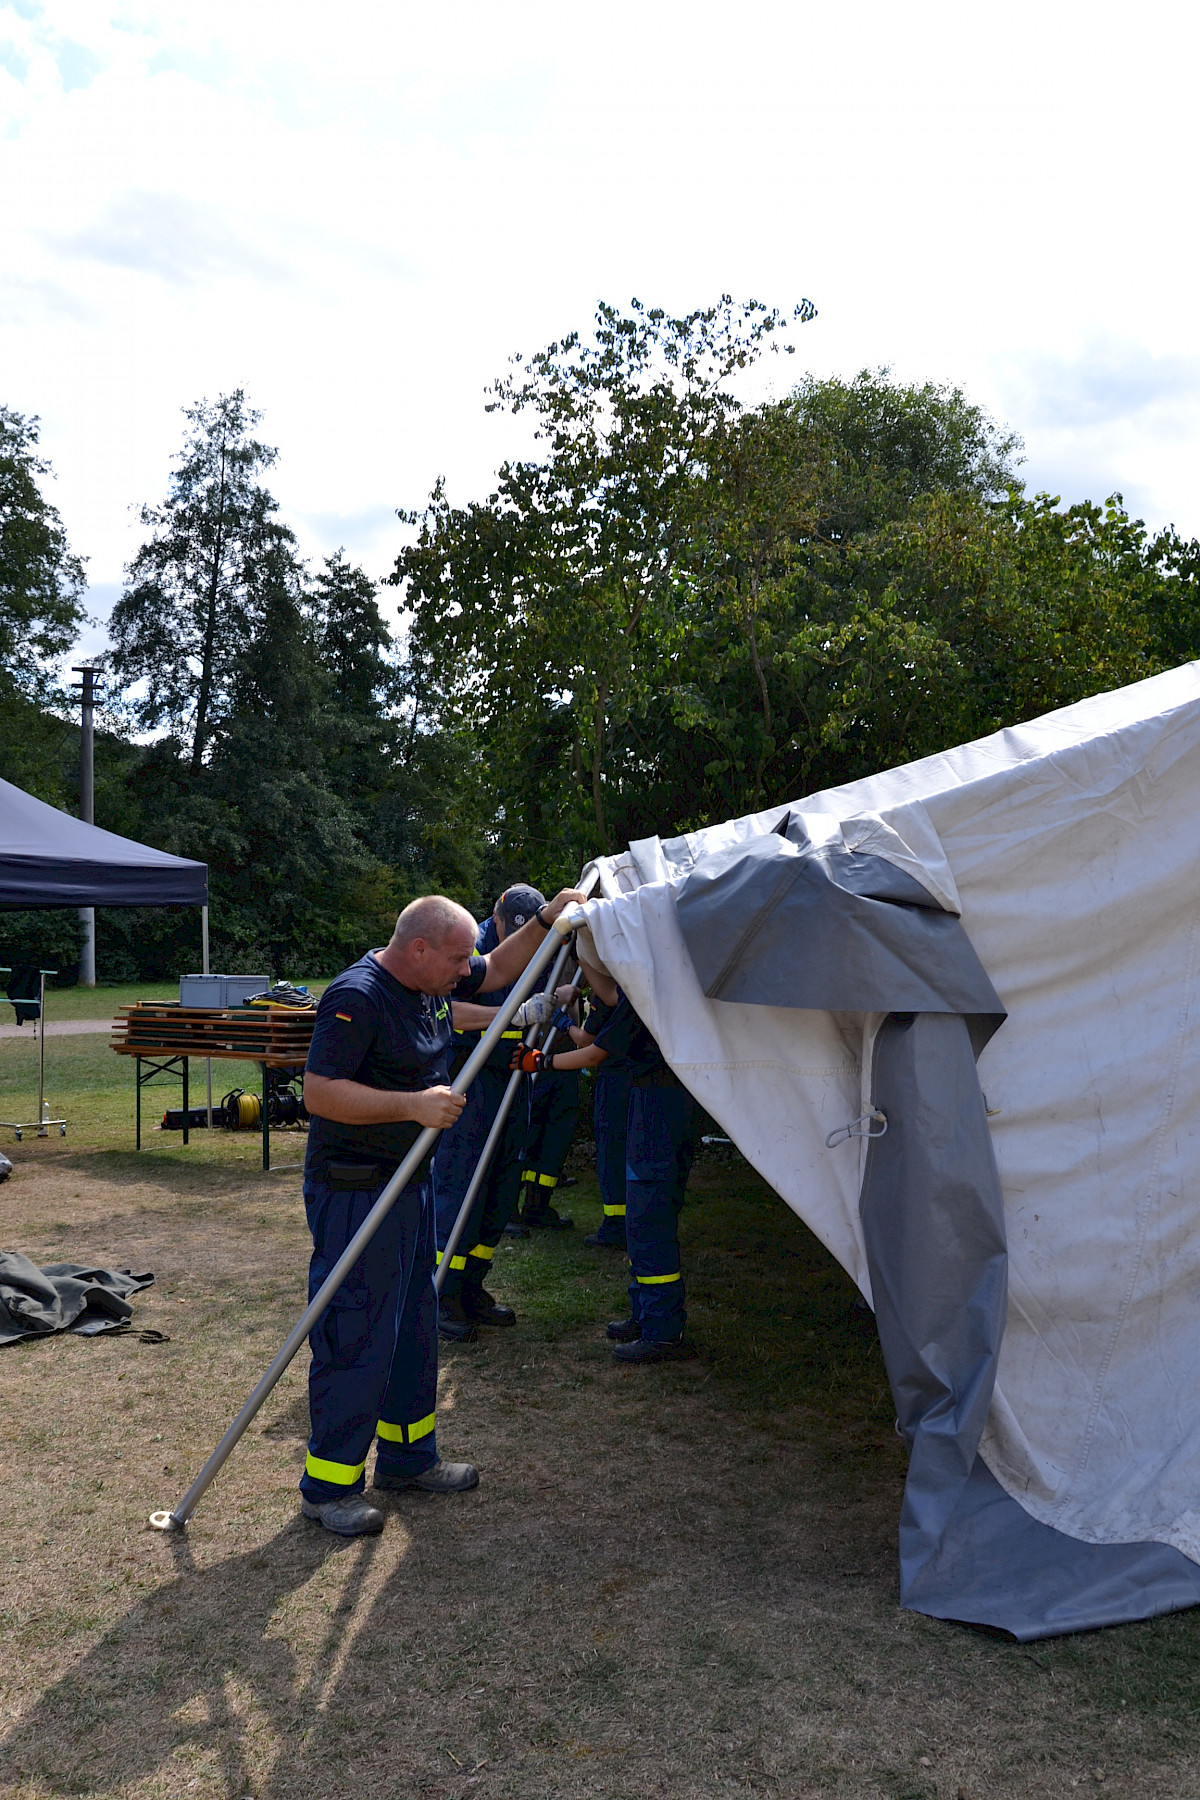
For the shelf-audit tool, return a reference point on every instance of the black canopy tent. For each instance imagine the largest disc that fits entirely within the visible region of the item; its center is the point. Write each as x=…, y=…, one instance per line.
x=49, y=859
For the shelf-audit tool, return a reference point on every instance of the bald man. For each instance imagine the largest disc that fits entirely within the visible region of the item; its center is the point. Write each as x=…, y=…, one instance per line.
x=376, y=1076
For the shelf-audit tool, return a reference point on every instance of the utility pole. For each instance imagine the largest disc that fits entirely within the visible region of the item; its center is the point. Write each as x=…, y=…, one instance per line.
x=87, y=810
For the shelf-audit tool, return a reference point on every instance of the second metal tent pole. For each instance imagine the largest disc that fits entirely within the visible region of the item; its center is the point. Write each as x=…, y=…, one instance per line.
x=492, y=1141
x=179, y=1516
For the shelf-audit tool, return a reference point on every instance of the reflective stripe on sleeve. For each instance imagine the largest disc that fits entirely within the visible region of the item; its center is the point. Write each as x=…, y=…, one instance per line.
x=614, y=1212
x=657, y=1280
x=345, y=1474
x=484, y=1251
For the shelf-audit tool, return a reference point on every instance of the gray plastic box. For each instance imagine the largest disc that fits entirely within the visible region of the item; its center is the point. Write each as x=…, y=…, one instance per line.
x=220, y=991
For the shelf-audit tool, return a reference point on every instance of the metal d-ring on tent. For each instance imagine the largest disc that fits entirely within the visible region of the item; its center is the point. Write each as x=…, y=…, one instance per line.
x=50, y=860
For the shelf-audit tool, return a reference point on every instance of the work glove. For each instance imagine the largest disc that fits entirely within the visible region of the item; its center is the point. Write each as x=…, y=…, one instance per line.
x=529, y=1062
x=562, y=1021
x=535, y=1011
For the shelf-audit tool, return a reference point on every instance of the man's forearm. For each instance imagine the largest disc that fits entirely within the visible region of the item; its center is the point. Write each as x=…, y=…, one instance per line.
x=352, y=1103
x=469, y=1017
x=508, y=959
x=590, y=1057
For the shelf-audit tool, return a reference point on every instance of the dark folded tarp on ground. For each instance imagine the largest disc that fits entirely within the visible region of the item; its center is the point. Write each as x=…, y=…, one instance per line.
x=62, y=1297
x=780, y=922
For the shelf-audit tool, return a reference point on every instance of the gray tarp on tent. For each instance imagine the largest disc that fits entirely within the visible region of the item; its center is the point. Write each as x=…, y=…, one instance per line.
x=1069, y=847
x=847, y=931
x=49, y=859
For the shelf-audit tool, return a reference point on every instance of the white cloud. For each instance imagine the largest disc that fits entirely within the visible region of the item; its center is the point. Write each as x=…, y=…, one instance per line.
x=357, y=214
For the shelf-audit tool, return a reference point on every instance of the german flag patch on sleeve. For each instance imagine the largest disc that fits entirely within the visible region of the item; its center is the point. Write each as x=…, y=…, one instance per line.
x=344, y=1017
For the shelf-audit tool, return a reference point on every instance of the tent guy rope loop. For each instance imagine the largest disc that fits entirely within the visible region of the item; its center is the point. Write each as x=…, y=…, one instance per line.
x=860, y=1127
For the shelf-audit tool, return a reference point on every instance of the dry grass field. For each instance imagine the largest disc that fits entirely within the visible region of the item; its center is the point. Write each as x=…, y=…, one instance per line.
x=673, y=1582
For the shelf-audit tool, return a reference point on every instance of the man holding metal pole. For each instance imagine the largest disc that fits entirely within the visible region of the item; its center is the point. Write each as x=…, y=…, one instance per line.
x=377, y=1074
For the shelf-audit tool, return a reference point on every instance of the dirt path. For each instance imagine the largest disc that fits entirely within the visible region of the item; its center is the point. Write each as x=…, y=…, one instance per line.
x=659, y=1588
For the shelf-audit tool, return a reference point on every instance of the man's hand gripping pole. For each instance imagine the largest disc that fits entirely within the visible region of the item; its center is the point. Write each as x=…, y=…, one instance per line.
x=555, y=942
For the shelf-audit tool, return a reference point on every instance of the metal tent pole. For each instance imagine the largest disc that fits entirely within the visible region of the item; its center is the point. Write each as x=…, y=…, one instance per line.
x=87, y=811
x=492, y=1141
x=41, y=1112
x=178, y=1518
x=204, y=971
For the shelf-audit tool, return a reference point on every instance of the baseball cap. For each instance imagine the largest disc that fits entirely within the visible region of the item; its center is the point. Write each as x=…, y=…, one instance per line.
x=518, y=904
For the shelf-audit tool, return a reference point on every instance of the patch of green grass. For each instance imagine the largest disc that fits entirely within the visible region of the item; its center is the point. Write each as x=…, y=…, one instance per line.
x=93, y=1089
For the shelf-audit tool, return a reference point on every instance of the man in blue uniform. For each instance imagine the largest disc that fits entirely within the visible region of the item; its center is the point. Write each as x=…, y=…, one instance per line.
x=377, y=1074
x=660, y=1143
x=466, y=1303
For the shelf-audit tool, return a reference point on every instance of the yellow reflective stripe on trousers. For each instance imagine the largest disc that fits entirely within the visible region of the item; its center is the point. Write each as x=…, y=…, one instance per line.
x=528, y=1174
x=456, y=1262
x=547, y=1180
x=657, y=1280
x=345, y=1474
x=485, y=1251
x=400, y=1434
x=614, y=1212
x=512, y=1034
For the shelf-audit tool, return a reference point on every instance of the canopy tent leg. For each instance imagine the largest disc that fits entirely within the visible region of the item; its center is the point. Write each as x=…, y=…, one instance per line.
x=266, y=1122
x=204, y=971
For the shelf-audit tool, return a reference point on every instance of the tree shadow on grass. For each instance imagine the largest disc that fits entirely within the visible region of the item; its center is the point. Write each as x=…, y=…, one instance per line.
x=202, y=1668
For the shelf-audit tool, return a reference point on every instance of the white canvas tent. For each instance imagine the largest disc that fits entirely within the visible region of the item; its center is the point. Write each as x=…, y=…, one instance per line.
x=1054, y=1433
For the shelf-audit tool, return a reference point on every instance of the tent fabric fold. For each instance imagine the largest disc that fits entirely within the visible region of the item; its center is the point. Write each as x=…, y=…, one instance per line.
x=1032, y=1256
x=49, y=859
x=63, y=1297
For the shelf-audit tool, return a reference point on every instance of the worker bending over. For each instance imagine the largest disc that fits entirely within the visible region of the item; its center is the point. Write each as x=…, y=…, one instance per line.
x=660, y=1141
x=377, y=1075
x=466, y=1303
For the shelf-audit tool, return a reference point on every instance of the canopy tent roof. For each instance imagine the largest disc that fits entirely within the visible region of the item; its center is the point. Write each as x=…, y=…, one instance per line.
x=1055, y=1454
x=49, y=859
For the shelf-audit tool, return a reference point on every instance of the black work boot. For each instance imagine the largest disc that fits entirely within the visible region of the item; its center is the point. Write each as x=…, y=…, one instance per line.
x=481, y=1309
x=624, y=1331
x=546, y=1219
x=453, y=1323
x=650, y=1350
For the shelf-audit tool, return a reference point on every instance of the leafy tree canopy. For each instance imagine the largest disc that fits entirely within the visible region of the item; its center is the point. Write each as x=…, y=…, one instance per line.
x=41, y=579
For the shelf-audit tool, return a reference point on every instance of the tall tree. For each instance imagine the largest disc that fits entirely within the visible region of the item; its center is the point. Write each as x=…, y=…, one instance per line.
x=192, y=599
x=540, y=603
x=41, y=579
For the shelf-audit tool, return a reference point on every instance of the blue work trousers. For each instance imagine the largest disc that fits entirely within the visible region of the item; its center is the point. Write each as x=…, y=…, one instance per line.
x=454, y=1163
x=659, y=1146
x=610, y=1110
x=552, y=1113
x=374, y=1350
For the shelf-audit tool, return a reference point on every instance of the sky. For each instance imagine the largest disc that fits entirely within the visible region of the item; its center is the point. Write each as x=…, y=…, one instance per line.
x=357, y=214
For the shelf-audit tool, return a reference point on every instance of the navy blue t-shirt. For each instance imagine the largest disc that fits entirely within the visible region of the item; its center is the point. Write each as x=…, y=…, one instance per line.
x=371, y=1028
x=627, y=1042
